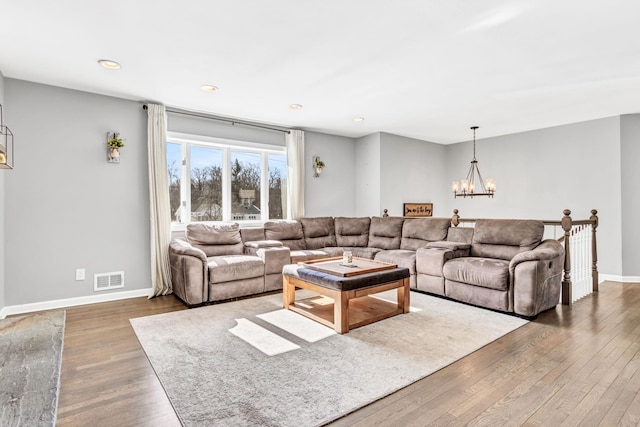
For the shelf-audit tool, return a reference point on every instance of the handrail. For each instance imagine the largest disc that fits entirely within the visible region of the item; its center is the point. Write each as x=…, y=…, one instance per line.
x=567, y=223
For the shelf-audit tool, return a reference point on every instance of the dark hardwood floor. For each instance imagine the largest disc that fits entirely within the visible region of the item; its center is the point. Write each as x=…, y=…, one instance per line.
x=576, y=365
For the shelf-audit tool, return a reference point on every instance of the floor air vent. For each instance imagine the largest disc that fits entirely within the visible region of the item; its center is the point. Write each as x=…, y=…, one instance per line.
x=106, y=281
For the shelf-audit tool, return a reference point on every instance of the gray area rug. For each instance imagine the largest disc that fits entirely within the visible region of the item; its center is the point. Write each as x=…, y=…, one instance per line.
x=31, y=349
x=251, y=363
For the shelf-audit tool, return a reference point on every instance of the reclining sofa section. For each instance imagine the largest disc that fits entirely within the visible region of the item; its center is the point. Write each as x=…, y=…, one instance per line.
x=499, y=264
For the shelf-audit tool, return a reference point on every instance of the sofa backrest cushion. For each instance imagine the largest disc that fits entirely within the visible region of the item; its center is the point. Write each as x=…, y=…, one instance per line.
x=287, y=231
x=385, y=233
x=318, y=232
x=417, y=232
x=504, y=238
x=253, y=234
x=352, y=232
x=215, y=239
x=460, y=234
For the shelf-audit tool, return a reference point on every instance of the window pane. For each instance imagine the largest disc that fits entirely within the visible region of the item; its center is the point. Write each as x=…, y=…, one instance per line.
x=245, y=186
x=277, y=186
x=174, y=171
x=206, y=184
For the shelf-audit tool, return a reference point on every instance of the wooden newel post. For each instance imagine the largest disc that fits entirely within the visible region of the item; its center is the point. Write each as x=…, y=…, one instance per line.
x=594, y=250
x=455, y=219
x=566, y=281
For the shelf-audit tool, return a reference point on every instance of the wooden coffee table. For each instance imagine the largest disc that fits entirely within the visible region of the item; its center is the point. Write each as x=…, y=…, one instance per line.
x=344, y=300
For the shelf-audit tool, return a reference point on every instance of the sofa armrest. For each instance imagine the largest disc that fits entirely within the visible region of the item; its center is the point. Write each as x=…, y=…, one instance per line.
x=251, y=247
x=454, y=246
x=548, y=250
x=431, y=260
x=274, y=258
x=189, y=272
x=182, y=247
x=263, y=244
x=536, y=278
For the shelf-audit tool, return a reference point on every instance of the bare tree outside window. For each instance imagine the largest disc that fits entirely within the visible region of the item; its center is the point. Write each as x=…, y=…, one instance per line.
x=277, y=186
x=174, y=163
x=206, y=184
x=245, y=186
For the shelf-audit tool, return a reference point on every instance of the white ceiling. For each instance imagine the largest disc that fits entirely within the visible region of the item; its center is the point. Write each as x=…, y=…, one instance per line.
x=426, y=69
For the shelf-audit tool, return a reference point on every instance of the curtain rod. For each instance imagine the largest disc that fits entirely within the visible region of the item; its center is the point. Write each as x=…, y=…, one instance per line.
x=221, y=119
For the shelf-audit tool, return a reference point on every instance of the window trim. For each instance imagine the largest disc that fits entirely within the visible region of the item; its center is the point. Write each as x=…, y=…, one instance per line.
x=225, y=143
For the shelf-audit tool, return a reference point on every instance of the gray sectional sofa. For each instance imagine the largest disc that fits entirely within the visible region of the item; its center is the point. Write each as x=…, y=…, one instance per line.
x=499, y=264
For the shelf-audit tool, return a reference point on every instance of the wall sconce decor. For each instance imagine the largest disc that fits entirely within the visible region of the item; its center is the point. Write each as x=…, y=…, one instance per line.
x=6, y=144
x=318, y=165
x=114, y=144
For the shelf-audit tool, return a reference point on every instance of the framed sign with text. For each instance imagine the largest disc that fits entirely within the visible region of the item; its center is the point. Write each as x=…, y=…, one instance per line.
x=417, y=209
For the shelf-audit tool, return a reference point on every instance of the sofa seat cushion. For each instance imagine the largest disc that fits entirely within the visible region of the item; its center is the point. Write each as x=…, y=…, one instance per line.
x=307, y=255
x=400, y=257
x=369, y=253
x=234, y=267
x=332, y=251
x=484, y=272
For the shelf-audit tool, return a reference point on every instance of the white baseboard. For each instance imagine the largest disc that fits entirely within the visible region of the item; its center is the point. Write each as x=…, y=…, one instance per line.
x=614, y=278
x=71, y=302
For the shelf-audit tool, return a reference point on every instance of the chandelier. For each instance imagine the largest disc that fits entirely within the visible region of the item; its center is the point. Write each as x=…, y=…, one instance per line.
x=467, y=187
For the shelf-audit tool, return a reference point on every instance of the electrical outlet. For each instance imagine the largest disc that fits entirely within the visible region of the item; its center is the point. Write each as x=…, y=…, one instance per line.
x=80, y=274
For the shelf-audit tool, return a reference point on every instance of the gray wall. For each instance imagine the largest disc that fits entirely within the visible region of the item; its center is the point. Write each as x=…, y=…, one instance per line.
x=367, y=168
x=331, y=194
x=199, y=126
x=3, y=172
x=68, y=208
x=411, y=171
x=630, y=180
x=542, y=172
x=65, y=206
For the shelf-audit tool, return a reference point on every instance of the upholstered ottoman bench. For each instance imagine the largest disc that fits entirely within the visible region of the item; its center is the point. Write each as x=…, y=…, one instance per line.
x=349, y=289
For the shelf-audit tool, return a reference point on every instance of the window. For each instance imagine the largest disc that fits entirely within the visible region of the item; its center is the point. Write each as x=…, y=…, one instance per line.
x=211, y=179
x=245, y=185
x=206, y=183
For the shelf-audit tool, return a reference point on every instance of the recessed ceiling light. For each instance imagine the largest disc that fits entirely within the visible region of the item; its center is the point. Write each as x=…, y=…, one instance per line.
x=107, y=63
x=209, y=88
x=358, y=119
x=295, y=106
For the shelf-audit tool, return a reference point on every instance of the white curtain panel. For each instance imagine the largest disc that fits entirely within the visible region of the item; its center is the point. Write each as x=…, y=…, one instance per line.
x=159, y=199
x=295, y=173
